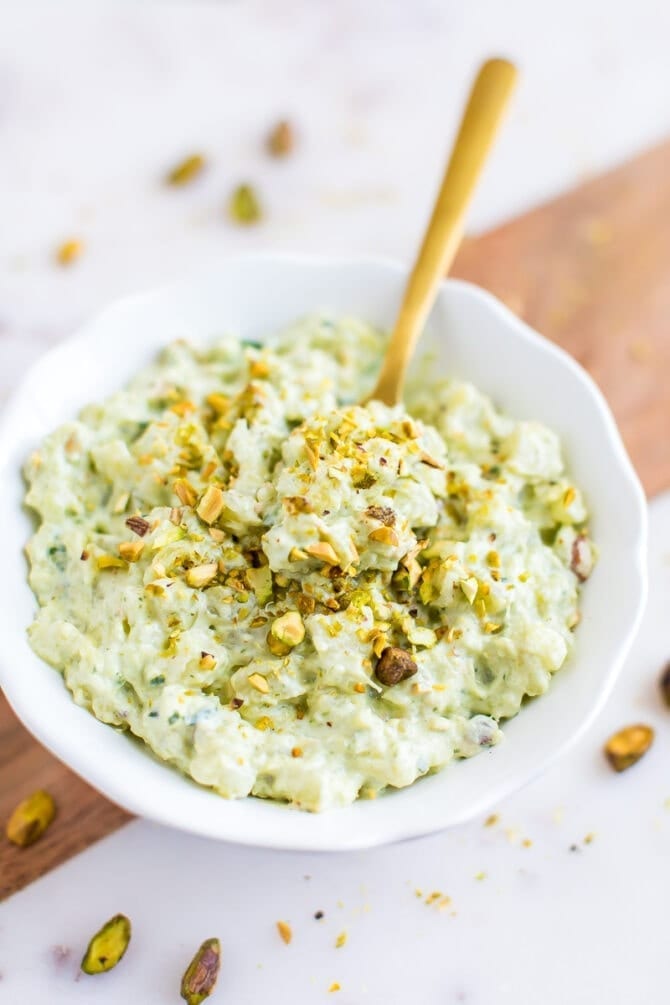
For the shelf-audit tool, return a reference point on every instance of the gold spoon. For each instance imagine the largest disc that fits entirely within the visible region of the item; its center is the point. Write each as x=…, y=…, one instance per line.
x=483, y=114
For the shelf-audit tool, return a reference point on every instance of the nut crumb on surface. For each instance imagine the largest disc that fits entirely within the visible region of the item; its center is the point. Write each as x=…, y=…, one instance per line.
x=285, y=931
x=281, y=139
x=625, y=747
x=68, y=252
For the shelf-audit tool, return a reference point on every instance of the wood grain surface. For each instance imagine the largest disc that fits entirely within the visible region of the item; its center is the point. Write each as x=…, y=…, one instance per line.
x=592, y=271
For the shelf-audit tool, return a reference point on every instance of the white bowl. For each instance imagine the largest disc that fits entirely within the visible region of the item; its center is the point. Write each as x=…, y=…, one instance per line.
x=476, y=338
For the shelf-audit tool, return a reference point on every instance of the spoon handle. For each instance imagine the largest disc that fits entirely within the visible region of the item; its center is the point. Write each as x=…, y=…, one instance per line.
x=483, y=114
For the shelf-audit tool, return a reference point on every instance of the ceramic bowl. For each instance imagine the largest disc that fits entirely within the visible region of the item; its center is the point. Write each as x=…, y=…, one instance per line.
x=476, y=338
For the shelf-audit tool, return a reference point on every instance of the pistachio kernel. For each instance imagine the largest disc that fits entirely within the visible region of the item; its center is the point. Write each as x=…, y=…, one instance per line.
x=281, y=139
x=394, y=665
x=323, y=551
x=628, y=745
x=202, y=575
x=186, y=170
x=384, y=535
x=243, y=206
x=30, y=819
x=138, y=525
x=185, y=492
x=211, y=505
x=288, y=629
x=201, y=974
x=258, y=681
x=384, y=514
x=107, y=946
x=131, y=550
x=68, y=252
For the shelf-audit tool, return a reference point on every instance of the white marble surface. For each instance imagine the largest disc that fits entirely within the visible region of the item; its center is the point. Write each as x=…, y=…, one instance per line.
x=95, y=104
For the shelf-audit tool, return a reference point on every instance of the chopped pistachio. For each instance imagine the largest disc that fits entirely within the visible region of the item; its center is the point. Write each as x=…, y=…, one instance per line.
x=469, y=587
x=206, y=661
x=131, y=550
x=430, y=461
x=260, y=581
x=211, y=505
x=185, y=492
x=384, y=535
x=68, y=252
x=186, y=170
x=285, y=931
x=201, y=575
x=243, y=205
x=281, y=139
x=323, y=551
x=394, y=666
x=288, y=629
x=384, y=514
x=202, y=972
x=30, y=819
x=258, y=681
x=219, y=402
x=111, y=562
x=628, y=745
x=107, y=947
x=138, y=525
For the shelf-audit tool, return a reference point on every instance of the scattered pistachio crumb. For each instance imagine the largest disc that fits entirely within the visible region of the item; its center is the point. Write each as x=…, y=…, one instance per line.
x=341, y=940
x=243, y=205
x=480, y=876
x=69, y=251
x=281, y=139
x=186, y=170
x=335, y=986
x=492, y=820
x=285, y=931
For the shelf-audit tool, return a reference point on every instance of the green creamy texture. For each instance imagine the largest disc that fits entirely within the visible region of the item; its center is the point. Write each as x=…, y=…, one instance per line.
x=228, y=546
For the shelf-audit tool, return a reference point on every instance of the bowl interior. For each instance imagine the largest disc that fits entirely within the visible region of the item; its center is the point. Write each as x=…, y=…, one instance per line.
x=475, y=338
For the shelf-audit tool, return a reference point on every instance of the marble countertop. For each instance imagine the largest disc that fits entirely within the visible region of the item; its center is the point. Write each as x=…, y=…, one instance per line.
x=563, y=899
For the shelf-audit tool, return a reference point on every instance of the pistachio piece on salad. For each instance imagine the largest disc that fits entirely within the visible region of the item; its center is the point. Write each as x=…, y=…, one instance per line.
x=260, y=581
x=211, y=505
x=394, y=665
x=289, y=629
x=138, y=525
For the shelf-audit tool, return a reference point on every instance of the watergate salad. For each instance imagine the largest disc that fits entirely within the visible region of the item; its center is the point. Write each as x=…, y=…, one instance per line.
x=286, y=594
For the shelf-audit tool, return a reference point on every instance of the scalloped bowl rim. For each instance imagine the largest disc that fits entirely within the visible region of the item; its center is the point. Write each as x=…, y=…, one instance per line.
x=123, y=769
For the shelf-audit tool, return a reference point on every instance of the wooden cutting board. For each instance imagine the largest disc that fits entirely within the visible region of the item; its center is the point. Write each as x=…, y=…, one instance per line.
x=591, y=270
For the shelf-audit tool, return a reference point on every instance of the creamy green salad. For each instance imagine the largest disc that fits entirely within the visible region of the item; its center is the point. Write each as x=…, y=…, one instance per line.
x=289, y=595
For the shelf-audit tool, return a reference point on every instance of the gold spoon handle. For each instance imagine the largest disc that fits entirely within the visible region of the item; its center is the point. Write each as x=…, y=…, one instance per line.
x=483, y=114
